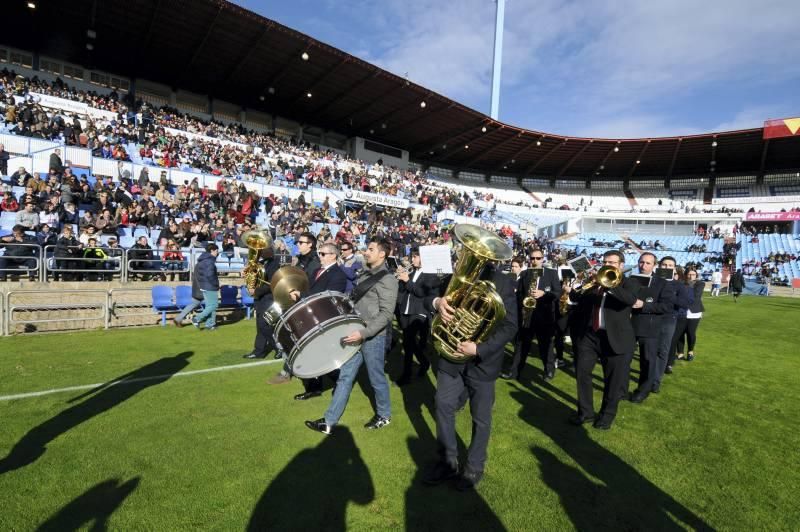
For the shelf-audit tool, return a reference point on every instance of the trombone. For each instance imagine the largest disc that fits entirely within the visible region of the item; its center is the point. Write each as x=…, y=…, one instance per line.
x=607, y=277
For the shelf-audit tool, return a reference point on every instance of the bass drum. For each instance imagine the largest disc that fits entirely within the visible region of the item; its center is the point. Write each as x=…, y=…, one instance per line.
x=310, y=334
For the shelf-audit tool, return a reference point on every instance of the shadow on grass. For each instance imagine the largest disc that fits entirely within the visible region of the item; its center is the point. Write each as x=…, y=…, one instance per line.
x=94, y=506
x=98, y=400
x=313, y=490
x=620, y=499
x=437, y=507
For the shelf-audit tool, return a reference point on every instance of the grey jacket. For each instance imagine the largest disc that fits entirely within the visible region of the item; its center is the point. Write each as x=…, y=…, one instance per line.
x=377, y=305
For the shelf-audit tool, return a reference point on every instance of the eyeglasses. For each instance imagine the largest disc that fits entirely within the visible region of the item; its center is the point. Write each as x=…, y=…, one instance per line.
x=537, y=258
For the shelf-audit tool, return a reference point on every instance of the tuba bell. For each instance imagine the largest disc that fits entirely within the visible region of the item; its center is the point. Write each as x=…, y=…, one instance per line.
x=254, y=240
x=478, y=306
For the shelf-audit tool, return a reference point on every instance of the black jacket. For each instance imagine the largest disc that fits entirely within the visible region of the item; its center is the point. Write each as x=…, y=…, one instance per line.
x=697, y=304
x=616, y=314
x=309, y=263
x=545, y=311
x=332, y=279
x=487, y=364
x=413, y=294
x=659, y=299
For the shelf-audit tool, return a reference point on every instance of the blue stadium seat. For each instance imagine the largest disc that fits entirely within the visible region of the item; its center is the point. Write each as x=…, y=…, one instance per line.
x=229, y=296
x=163, y=301
x=247, y=300
x=183, y=295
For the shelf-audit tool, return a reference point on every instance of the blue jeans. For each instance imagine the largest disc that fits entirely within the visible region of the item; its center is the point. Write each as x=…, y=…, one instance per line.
x=372, y=354
x=211, y=299
x=188, y=308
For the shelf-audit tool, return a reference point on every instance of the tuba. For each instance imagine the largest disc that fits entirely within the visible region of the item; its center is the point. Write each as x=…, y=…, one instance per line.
x=478, y=306
x=254, y=240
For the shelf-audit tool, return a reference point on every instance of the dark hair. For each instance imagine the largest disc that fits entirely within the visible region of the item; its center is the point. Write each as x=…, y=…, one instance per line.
x=646, y=253
x=617, y=254
x=382, y=243
x=668, y=257
x=311, y=238
x=519, y=260
x=212, y=247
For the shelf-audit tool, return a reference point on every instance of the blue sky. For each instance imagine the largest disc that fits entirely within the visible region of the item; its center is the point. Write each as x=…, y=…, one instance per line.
x=617, y=69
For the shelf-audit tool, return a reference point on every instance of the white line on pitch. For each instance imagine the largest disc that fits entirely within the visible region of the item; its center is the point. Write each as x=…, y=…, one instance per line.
x=138, y=379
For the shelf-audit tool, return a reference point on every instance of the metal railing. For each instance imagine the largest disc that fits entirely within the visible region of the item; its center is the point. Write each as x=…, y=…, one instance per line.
x=25, y=261
x=25, y=307
x=23, y=311
x=55, y=267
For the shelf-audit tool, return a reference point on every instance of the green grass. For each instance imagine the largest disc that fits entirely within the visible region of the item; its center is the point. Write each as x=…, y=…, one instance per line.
x=716, y=449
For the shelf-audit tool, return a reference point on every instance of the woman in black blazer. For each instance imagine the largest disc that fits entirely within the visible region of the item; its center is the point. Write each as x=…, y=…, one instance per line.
x=686, y=326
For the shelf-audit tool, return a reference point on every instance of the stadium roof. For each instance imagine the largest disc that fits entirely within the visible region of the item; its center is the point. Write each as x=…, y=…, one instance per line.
x=218, y=48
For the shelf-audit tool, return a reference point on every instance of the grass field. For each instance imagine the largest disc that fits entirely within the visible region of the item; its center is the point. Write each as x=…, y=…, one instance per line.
x=717, y=449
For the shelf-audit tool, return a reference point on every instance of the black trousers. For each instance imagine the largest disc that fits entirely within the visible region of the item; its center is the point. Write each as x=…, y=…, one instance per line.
x=648, y=365
x=543, y=332
x=594, y=346
x=449, y=399
x=685, y=328
x=415, y=339
x=263, y=343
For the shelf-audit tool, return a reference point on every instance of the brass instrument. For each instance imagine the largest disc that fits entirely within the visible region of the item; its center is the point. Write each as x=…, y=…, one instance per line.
x=563, y=301
x=529, y=303
x=284, y=281
x=478, y=306
x=254, y=240
x=608, y=277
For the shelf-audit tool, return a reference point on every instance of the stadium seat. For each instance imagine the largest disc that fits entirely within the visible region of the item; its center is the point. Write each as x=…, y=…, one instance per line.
x=247, y=300
x=183, y=295
x=229, y=296
x=163, y=301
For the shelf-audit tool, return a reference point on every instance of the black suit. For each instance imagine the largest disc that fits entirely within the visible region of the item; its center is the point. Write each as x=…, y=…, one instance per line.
x=477, y=378
x=542, y=322
x=659, y=299
x=415, y=319
x=612, y=345
x=331, y=279
x=264, y=342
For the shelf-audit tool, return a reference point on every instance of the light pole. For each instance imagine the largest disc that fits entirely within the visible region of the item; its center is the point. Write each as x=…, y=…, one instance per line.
x=498, y=57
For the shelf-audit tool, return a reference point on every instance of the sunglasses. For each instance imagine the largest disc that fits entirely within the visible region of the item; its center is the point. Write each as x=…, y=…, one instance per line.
x=537, y=258
x=323, y=253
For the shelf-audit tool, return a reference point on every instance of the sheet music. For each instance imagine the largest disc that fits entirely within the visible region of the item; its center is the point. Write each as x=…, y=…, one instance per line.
x=435, y=259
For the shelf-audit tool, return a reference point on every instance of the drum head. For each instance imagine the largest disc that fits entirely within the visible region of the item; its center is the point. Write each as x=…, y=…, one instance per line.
x=323, y=352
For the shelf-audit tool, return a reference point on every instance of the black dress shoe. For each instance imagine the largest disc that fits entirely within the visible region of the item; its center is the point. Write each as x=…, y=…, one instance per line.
x=578, y=420
x=506, y=375
x=307, y=395
x=320, y=426
x=668, y=370
x=441, y=472
x=468, y=480
x=253, y=355
x=656, y=388
x=603, y=424
x=550, y=375
x=638, y=397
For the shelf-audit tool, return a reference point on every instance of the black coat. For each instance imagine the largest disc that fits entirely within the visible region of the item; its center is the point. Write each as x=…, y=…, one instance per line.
x=659, y=299
x=545, y=311
x=697, y=304
x=412, y=294
x=616, y=314
x=486, y=366
x=332, y=279
x=309, y=263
